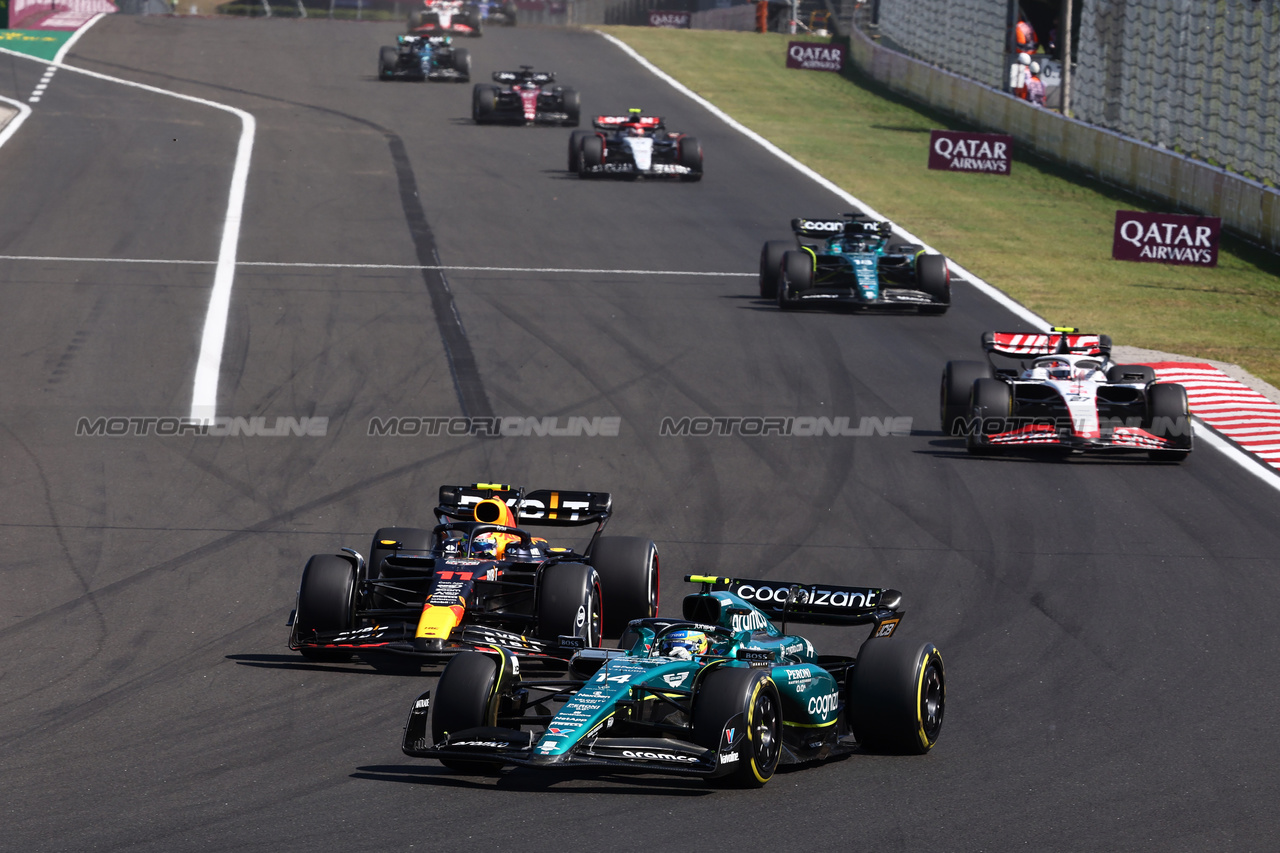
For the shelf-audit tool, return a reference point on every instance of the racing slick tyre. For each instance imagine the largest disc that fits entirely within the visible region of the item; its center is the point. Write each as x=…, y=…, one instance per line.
x=628, y=570
x=462, y=64
x=934, y=278
x=771, y=266
x=957, y=386
x=797, y=275
x=387, y=60
x=1169, y=416
x=896, y=697
x=990, y=403
x=472, y=19
x=572, y=105
x=1129, y=374
x=466, y=698
x=575, y=147
x=590, y=155
x=689, y=155
x=569, y=603
x=326, y=602
x=728, y=692
x=483, y=101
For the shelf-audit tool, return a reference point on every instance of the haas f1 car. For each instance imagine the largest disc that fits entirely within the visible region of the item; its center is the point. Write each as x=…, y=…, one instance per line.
x=525, y=97
x=722, y=693
x=633, y=145
x=478, y=579
x=424, y=58
x=852, y=261
x=445, y=17
x=1062, y=392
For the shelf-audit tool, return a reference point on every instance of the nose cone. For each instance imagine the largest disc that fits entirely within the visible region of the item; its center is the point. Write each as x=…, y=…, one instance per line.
x=641, y=148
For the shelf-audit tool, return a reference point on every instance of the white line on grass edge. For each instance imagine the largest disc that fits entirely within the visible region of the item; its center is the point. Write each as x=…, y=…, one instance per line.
x=1203, y=431
x=204, y=394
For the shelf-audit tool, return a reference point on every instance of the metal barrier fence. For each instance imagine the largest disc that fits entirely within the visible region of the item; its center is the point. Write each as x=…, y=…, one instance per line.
x=1201, y=78
x=966, y=37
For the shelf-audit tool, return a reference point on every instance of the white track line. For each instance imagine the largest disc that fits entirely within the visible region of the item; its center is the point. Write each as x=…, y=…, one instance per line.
x=16, y=122
x=1202, y=432
x=412, y=267
x=204, y=394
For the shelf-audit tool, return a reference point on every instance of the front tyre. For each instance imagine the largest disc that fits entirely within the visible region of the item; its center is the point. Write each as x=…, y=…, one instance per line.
x=752, y=696
x=689, y=155
x=990, y=405
x=797, y=276
x=897, y=696
x=462, y=64
x=590, y=156
x=575, y=147
x=466, y=698
x=572, y=107
x=628, y=570
x=957, y=386
x=1169, y=416
x=326, y=602
x=934, y=278
x=771, y=266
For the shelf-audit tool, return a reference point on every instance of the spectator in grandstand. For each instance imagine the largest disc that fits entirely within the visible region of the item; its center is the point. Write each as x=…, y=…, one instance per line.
x=1035, y=86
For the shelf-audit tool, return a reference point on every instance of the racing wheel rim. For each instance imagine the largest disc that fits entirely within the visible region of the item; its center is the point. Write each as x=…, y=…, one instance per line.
x=764, y=731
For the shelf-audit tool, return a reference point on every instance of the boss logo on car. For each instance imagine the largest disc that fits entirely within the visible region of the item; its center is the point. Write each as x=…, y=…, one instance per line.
x=657, y=756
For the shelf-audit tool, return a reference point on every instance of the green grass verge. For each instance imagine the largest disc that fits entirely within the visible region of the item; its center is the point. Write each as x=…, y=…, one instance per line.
x=1042, y=234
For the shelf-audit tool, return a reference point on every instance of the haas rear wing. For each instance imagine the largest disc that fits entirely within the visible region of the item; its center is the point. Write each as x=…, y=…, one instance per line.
x=1059, y=340
x=813, y=604
x=545, y=506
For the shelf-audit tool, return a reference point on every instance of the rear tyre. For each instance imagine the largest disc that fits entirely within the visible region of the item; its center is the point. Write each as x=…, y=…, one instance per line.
x=934, y=278
x=466, y=698
x=387, y=60
x=1129, y=374
x=797, y=276
x=897, y=696
x=590, y=156
x=575, y=147
x=569, y=603
x=326, y=602
x=689, y=155
x=629, y=583
x=1169, y=416
x=572, y=107
x=957, y=386
x=727, y=692
x=991, y=403
x=771, y=266
x=462, y=64
x=484, y=99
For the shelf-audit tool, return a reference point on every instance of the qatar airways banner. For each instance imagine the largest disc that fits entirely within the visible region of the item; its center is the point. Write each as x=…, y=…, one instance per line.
x=673, y=20
x=1166, y=238
x=55, y=14
x=960, y=151
x=815, y=56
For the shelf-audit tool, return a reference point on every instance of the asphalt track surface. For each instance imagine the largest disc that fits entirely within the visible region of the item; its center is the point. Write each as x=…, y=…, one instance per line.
x=1108, y=625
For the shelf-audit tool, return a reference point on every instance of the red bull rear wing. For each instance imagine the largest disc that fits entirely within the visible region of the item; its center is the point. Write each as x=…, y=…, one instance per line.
x=542, y=507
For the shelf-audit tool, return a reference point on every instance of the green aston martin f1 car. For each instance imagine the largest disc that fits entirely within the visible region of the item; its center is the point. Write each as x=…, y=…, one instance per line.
x=723, y=693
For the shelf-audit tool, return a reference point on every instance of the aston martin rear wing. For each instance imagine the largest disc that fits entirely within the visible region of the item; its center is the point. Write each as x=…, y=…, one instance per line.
x=1059, y=340
x=542, y=507
x=811, y=604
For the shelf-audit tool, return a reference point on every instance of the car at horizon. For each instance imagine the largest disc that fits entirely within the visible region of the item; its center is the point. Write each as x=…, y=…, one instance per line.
x=721, y=693
x=424, y=58
x=852, y=261
x=478, y=579
x=1062, y=392
x=450, y=17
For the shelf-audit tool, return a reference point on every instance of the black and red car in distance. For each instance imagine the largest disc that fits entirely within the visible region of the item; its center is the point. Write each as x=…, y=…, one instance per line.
x=525, y=97
x=854, y=261
x=1061, y=391
x=478, y=579
x=633, y=146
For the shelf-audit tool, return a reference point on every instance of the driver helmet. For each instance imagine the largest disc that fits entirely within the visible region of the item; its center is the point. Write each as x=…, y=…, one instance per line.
x=1058, y=368
x=684, y=644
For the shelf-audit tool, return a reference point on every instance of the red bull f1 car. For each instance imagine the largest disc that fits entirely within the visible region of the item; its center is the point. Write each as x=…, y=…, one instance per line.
x=632, y=146
x=525, y=97
x=445, y=17
x=478, y=579
x=1063, y=391
x=424, y=58
x=722, y=693
x=852, y=261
